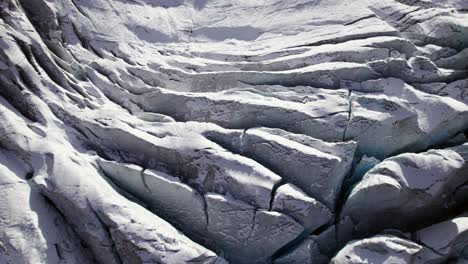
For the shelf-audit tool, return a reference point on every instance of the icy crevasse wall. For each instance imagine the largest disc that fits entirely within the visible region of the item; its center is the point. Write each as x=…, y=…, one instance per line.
x=137, y=131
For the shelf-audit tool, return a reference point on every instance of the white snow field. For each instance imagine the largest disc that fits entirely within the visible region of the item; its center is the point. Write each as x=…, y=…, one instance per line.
x=248, y=131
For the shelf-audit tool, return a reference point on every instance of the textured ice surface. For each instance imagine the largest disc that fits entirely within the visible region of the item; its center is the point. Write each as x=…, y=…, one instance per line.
x=215, y=131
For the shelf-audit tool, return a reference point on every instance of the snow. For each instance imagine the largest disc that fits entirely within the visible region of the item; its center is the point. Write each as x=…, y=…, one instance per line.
x=214, y=131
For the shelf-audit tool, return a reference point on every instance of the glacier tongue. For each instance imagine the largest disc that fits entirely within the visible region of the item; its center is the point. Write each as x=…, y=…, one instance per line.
x=213, y=131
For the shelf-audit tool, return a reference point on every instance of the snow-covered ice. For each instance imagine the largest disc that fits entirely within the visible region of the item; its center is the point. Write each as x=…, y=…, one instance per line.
x=215, y=131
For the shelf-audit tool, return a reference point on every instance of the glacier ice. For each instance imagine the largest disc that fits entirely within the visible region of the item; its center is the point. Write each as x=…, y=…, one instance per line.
x=214, y=131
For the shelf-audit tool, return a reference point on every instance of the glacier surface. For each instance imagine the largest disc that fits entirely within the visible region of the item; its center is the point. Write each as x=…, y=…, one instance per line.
x=215, y=131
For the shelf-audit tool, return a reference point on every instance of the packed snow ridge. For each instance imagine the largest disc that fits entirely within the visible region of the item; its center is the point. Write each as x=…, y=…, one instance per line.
x=216, y=131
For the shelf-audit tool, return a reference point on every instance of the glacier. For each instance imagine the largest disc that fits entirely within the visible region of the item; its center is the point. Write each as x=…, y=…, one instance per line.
x=215, y=131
